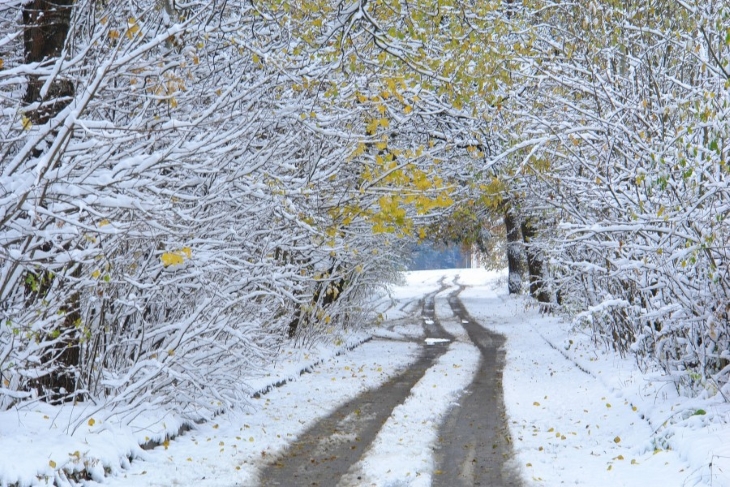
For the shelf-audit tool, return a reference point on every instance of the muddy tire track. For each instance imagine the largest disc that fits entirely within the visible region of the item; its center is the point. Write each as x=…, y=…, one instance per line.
x=474, y=445
x=327, y=450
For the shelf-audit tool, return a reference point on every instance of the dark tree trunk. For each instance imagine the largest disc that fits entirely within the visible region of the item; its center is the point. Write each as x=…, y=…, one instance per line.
x=61, y=384
x=515, y=257
x=331, y=292
x=535, y=265
x=46, y=27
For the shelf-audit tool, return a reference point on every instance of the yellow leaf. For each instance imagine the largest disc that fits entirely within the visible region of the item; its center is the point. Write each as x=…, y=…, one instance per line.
x=371, y=127
x=170, y=258
x=535, y=403
x=617, y=440
x=384, y=122
x=187, y=251
x=104, y=223
x=51, y=464
x=27, y=124
x=133, y=28
x=408, y=109
x=92, y=421
x=96, y=274
x=166, y=443
x=1, y=63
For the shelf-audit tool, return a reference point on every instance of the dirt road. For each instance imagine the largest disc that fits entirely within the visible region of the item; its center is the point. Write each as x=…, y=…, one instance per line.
x=473, y=444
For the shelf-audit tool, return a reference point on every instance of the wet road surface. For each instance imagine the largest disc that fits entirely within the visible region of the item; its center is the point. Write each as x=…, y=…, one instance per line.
x=473, y=447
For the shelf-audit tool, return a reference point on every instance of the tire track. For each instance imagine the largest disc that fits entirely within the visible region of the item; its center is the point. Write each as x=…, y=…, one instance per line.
x=327, y=450
x=474, y=444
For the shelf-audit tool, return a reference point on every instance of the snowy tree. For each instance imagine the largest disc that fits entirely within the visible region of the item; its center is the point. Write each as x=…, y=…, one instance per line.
x=619, y=127
x=184, y=187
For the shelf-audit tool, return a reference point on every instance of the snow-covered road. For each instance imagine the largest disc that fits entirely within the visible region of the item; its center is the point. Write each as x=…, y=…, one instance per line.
x=576, y=414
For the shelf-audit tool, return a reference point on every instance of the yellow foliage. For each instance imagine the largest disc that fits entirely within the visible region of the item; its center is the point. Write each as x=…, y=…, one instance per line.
x=170, y=258
x=176, y=257
x=132, y=28
x=493, y=193
x=372, y=126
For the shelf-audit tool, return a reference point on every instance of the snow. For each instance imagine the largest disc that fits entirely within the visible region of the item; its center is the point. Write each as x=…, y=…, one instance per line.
x=403, y=449
x=578, y=414
x=583, y=415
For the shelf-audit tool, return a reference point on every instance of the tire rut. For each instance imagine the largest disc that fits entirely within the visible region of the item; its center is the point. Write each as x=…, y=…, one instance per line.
x=474, y=444
x=327, y=450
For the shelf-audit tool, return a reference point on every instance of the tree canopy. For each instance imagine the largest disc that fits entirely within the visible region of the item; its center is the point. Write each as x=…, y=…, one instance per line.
x=185, y=186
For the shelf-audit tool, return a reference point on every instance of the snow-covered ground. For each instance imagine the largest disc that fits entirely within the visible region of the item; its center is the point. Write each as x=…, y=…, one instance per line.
x=577, y=415
x=581, y=415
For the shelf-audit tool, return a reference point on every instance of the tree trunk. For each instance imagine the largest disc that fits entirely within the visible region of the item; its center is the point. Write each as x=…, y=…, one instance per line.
x=46, y=26
x=535, y=264
x=515, y=257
